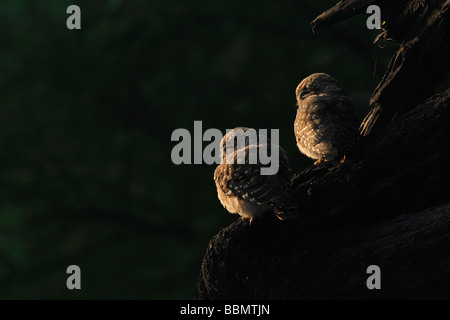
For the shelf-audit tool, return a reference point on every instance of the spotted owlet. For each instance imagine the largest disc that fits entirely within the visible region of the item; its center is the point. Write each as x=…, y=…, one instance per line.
x=242, y=188
x=326, y=125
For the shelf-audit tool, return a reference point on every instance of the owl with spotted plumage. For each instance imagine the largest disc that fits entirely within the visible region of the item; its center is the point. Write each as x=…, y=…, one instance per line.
x=326, y=125
x=242, y=189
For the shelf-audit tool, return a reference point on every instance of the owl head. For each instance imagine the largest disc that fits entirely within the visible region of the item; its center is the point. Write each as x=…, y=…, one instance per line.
x=239, y=138
x=317, y=83
x=231, y=138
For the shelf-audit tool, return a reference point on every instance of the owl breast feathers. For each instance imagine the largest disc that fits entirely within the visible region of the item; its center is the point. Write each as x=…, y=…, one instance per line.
x=243, y=190
x=326, y=125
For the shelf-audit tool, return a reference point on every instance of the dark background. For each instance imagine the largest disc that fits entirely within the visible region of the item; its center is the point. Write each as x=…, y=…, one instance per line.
x=86, y=118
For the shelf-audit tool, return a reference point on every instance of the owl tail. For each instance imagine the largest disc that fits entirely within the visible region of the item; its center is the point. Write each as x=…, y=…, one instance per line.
x=289, y=212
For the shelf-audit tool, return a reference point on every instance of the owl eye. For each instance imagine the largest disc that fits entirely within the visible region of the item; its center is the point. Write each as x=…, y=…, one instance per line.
x=303, y=93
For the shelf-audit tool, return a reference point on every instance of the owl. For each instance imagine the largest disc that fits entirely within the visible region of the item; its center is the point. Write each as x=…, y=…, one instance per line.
x=243, y=190
x=326, y=125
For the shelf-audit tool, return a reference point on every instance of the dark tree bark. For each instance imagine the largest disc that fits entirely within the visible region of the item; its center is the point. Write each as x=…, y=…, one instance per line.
x=418, y=66
x=284, y=261
x=373, y=209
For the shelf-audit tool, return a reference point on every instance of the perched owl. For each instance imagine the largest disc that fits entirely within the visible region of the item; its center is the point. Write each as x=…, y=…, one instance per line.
x=326, y=125
x=242, y=189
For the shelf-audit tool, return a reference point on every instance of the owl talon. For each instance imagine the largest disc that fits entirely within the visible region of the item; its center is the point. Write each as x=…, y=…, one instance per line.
x=320, y=160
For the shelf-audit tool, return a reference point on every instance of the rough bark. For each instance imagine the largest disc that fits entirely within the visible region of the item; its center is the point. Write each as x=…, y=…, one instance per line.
x=418, y=66
x=269, y=260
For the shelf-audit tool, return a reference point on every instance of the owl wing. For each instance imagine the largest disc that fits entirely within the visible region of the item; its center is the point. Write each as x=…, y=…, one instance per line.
x=316, y=125
x=331, y=123
x=343, y=114
x=246, y=182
